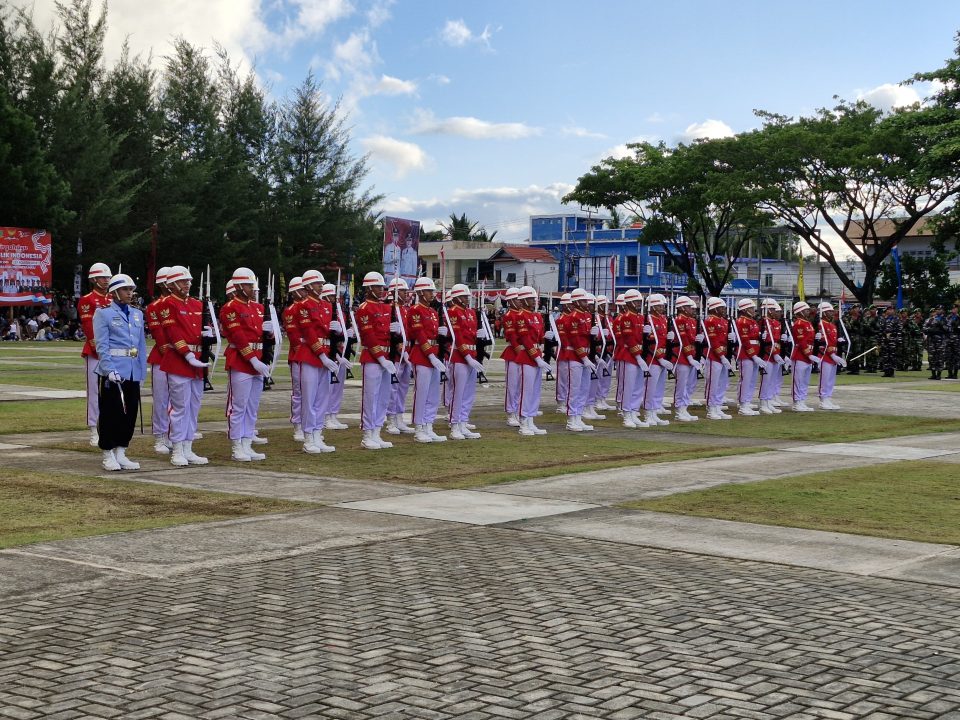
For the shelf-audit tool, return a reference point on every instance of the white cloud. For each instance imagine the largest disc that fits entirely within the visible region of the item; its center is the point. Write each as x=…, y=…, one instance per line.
x=379, y=12
x=473, y=128
x=504, y=209
x=456, y=33
x=313, y=17
x=621, y=151
x=706, y=129
x=402, y=156
x=656, y=118
x=440, y=79
x=888, y=96
x=394, y=86
x=580, y=132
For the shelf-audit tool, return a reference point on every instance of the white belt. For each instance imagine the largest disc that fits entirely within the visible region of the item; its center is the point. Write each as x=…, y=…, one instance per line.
x=255, y=346
x=124, y=352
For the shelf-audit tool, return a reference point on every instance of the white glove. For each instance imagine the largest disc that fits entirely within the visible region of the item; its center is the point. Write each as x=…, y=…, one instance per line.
x=114, y=376
x=351, y=333
x=699, y=337
x=761, y=363
x=437, y=363
x=670, y=335
x=387, y=365
x=778, y=360
x=818, y=336
x=548, y=335
x=396, y=327
x=344, y=363
x=731, y=336
x=788, y=363
x=607, y=332
x=641, y=362
x=336, y=327
x=726, y=362
x=648, y=329
x=472, y=362
x=258, y=365
x=193, y=362
x=268, y=326
x=838, y=360
x=483, y=334
x=665, y=364
x=329, y=363
x=443, y=331
x=588, y=363
x=694, y=363
x=815, y=359
x=208, y=331
x=595, y=331
x=543, y=365
x=784, y=338
x=404, y=357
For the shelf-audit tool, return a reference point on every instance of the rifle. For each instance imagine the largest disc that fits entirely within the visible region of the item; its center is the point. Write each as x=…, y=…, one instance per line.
x=732, y=345
x=483, y=347
x=787, y=347
x=350, y=350
x=601, y=340
x=211, y=337
x=269, y=338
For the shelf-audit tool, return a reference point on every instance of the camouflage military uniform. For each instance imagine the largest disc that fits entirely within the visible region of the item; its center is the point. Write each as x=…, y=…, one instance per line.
x=911, y=350
x=854, y=323
x=935, y=330
x=891, y=337
x=871, y=337
x=952, y=354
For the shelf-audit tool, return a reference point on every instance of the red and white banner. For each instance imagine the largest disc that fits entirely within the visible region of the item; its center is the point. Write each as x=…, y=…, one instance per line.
x=26, y=265
x=401, y=249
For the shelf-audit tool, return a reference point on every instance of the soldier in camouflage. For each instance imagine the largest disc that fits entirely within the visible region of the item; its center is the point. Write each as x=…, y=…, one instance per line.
x=890, y=339
x=936, y=332
x=911, y=350
x=952, y=354
x=854, y=323
x=871, y=337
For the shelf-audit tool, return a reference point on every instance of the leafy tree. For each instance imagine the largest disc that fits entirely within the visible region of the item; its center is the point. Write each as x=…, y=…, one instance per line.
x=463, y=229
x=696, y=203
x=926, y=280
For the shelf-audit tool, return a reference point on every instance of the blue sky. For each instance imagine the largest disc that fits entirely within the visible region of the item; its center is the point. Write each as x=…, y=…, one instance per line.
x=496, y=108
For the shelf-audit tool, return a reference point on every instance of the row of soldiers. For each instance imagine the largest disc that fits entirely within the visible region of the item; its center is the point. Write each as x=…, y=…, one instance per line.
x=896, y=339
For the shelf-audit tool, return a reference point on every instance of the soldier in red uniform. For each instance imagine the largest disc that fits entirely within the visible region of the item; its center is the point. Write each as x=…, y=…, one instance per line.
x=292, y=330
x=528, y=334
x=655, y=331
x=511, y=396
x=748, y=355
x=804, y=358
x=574, y=330
x=241, y=320
x=686, y=364
x=160, y=424
x=181, y=320
x=464, y=365
x=830, y=359
x=716, y=331
x=375, y=325
x=631, y=366
x=99, y=276
x=563, y=370
x=770, y=331
x=340, y=334
x=316, y=365
x=427, y=364
x=398, y=295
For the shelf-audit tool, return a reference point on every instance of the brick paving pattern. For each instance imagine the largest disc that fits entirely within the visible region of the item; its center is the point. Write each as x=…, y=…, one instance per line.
x=485, y=623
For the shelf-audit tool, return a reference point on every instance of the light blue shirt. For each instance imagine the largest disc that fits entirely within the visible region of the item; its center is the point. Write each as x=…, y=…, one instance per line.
x=115, y=330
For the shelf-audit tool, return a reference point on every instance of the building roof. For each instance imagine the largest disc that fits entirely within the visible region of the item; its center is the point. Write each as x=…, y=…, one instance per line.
x=523, y=253
x=885, y=227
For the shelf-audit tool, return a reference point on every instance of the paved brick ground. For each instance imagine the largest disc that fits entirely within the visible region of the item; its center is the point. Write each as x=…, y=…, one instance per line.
x=431, y=627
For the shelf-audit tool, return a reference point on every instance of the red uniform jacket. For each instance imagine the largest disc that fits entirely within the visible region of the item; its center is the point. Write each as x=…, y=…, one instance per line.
x=802, y=340
x=687, y=327
x=773, y=330
x=289, y=319
x=86, y=307
x=464, y=323
x=657, y=335
x=424, y=325
x=373, y=324
x=313, y=321
x=749, y=331
x=717, y=331
x=181, y=321
x=509, y=323
x=574, y=330
x=629, y=332
x=160, y=344
x=527, y=335
x=242, y=326
x=829, y=332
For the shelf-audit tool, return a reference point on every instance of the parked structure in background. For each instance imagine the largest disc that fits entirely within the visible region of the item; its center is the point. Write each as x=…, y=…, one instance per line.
x=918, y=244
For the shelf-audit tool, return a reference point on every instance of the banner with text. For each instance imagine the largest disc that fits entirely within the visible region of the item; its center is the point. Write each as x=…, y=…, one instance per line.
x=26, y=266
x=401, y=249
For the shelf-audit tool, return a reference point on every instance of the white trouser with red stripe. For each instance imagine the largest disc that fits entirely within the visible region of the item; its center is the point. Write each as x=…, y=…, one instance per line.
x=771, y=382
x=578, y=388
x=462, y=389
x=93, y=396
x=748, y=381
x=243, y=403
x=426, y=394
x=801, y=380
x=563, y=382
x=633, y=386
x=398, y=391
x=185, y=396
x=376, y=395
x=314, y=396
x=717, y=381
x=654, y=395
x=828, y=378
x=336, y=391
x=160, y=389
x=686, y=377
x=295, y=393
x=512, y=390
x=530, y=382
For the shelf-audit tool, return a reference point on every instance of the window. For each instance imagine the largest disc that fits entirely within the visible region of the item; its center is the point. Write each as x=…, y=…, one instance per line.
x=650, y=270
x=472, y=274
x=631, y=265
x=768, y=280
x=435, y=271
x=511, y=277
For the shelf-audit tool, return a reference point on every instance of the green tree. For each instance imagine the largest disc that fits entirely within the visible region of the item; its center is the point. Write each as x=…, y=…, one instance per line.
x=926, y=280
x=696, y=203
x=463, y=229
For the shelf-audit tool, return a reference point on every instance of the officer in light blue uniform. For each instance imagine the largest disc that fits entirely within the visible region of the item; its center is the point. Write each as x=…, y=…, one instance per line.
x=119, y=335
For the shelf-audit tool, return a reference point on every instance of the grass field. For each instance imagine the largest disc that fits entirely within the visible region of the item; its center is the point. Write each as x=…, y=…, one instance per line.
x=501, y=456
x=906, y=500
x=39, y=507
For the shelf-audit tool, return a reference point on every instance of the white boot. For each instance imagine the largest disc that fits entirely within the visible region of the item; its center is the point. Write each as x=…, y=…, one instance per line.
x=191, y=456
x=298, y=432
x=630, y=420
x=682, y=415
x=197, y=436
x=402, y=425
x=94, y=437
x=467, y=430
x=604, y=405
x=828, y=404
x=126, y=463
x=110, y=461
x=369, y=442
x=315, y=444
x=529, y=428
x=162, y=445
x=391, y=425
x=421, y=435
x=257, y=440
x=774, y=407
x=433, y=436
x=715, y=413
x=802, y=407
x=176, y=455
x=248, y=447
x=590, y=413
x=456, y=433
x=745, y=409
x=766, y=408
x=334, y=423
x=238, y=452
x=513, y=420
x=651, y=419
x=384, y=445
